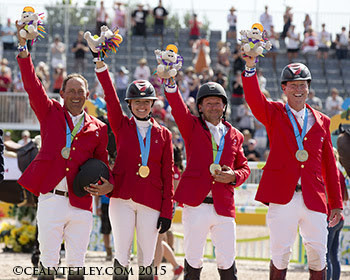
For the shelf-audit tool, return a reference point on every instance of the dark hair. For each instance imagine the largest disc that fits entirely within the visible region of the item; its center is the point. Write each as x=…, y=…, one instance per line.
x=72, y=76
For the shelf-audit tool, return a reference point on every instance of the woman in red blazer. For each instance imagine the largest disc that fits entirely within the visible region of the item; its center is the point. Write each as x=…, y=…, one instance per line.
x=143, y=191
x=300, y=174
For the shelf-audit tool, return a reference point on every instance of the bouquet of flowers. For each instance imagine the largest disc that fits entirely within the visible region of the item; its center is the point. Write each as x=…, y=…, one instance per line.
x=17, y=238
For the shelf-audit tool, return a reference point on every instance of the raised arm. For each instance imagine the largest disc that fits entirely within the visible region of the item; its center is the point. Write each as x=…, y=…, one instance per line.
x=114, y=110
x=39, y=101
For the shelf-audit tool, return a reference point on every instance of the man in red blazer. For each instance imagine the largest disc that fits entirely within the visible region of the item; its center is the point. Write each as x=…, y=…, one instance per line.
x=69, y=138
x=300, y=175
x=215, y=166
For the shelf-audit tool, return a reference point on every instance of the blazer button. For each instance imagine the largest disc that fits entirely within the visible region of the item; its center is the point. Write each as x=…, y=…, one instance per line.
x=140, y=156
x=213, y=182
x=70, y=158
x=67, y=169
x=139, y=164
x=137, y=173
x=76, y=138
x=73, y=148
x=305, y=138
x=302, y=166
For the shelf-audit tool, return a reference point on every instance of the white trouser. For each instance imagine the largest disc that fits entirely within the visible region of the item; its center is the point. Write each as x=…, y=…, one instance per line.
x=197, y=222
x=283, y=221
x=124, y=216
x=58, y=221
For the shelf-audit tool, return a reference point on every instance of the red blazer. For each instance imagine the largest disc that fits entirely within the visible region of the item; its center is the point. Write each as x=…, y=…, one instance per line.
x=197, y=181
x=157, y=190
x=319, y=175
x=49, y=167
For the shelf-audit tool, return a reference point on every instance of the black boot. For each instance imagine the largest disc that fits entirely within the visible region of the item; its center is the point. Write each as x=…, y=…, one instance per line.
x=75, y=275
x=191, y=273
x=45, y=274
x=277, y=274
x=146, y=272
x=228, y=274
x=120, y=272
x=318, y=275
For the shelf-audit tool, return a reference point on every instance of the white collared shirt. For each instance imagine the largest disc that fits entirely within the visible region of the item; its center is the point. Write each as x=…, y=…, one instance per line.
x=63, y=185
x=300, y=118
x=217, y=131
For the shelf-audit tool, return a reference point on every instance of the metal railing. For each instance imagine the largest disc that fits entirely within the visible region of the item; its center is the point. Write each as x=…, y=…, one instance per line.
x=16, y=113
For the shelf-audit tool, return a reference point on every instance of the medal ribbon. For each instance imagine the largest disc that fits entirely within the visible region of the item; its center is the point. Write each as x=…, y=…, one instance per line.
x=70, y=135
x=295, y=127
x=144, y=148
x=217, y=152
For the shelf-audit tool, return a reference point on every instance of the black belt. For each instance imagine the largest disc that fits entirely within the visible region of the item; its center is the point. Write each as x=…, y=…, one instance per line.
x=298, y=188
x=58, y=192
x=208, y=200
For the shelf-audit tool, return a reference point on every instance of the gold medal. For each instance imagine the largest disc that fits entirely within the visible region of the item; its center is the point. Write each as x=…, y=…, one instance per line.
x=213, y=167
x=302, y=155
x=144, y=171
x=65, y=152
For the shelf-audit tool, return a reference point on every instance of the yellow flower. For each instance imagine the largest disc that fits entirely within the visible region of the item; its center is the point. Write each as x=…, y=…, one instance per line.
x=17, y=248
x=6, y=240
x=14, y=232
x=23, y=239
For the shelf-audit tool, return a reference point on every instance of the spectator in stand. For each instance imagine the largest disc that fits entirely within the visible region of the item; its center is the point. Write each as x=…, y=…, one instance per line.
x=206, y=75
x=142, y=71
x=192, y=81
x=287, y=19
x=232, y=25
x=238, y=62
x=246, y=119
x=266, y=19
x=195, y=32
x=157, y=84
x=221, y=79
x=261, y=79
x=25, y=138
x=158, y=112
x=79, y=49
x=314, y=101
x=159, y=14
x=223, y=55
x=5, y=80
x=101, y=17
x=58, y=77
x=307, y=23
x=18, y=83
x=274, y=39
x=138, y=18
x=58, y=52
x=122, y=82
x=8, y=36
x=42, y=71
x=342, y=44
x=246, y=137
x=182, y=85
x=333, y=263
x=251, y=154
x=310, y=44
x=333, y=103
x=237, y=96
x=4, y=63
x=119, y=19
x=293, y=43
x=324, y=42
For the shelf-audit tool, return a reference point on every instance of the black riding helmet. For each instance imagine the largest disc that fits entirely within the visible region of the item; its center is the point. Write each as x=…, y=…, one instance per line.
x=140, y=89
x=295, y=72
x=211, y=89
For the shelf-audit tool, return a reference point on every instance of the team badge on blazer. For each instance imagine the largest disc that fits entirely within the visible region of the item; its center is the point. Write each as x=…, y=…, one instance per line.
x=89, y=173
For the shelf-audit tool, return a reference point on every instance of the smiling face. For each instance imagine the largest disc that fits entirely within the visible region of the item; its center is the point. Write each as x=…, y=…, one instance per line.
x=212, y=108
x=74, y=95
x=141, y=107
x=296, y=92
